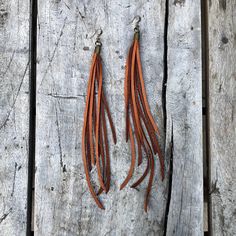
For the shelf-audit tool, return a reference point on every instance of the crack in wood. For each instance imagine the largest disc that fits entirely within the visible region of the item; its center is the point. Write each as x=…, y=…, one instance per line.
x=205, y=74
x=169, y=183
x=76, y=28
x=59, y=142
x=9, y=64
x=4, y=216
x=54, y=51
x=14, y=180
x=165, y=66
x=164, y=88
x=32, y=115
x=66, y=96
x=15, y=99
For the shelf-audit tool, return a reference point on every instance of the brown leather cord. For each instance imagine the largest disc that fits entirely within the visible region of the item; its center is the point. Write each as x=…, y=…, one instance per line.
x=98, y=128
x=133, y=90
x=104, y=154
x=146, y=107
x=108, y=168
x=89, y=154
x=149, y=187
x=131, y=170
x=143, y=124
x=91, y=110
x=95, y=146
x=127, y=91
x=151, y=133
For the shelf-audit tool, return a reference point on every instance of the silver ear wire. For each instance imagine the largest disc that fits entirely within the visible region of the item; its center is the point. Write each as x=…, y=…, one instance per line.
x=136, y=21
x=98, y=43
x=99, y=32
x=98, y=40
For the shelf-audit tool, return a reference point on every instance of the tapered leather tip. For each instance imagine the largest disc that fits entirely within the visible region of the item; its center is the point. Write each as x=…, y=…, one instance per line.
x=99, y=204
x=115, y=141
x=121, y=187
x=145, y=207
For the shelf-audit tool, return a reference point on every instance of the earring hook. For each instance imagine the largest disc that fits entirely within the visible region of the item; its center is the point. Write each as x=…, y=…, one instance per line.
x=99, y=32
x=98, y=40
x=137, y=19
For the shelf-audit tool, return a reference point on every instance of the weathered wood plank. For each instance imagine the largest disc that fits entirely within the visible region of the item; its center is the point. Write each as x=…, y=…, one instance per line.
x=14, y=54
x=222, y=77
x=184, y=118
x=63, y=205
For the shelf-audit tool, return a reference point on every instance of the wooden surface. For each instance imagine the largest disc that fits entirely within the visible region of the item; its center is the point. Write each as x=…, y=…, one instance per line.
x=184, y=118
x=171, y=54
x=63, y=204
x=222, y=77
x=14, y=53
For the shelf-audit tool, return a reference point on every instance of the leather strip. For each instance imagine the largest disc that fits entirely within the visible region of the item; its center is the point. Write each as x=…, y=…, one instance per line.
x=98, y=130
x=143, y=124
x=95, y=149
x=84, y=152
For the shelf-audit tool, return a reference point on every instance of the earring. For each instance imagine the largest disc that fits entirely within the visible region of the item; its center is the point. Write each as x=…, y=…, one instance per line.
x=95, y=150
x=143, y=124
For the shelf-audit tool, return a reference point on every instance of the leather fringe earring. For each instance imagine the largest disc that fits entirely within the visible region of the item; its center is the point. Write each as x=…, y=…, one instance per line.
x=143, y=124
x=95, y=150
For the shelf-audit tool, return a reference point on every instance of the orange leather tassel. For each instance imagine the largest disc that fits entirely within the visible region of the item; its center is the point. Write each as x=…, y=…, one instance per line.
x=139, y=120
x=95, y=150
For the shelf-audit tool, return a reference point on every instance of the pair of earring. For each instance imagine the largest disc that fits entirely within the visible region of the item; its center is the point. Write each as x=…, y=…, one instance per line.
x=139, y=123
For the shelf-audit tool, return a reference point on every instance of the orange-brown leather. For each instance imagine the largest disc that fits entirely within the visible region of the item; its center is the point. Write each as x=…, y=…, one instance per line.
x=95, y=149
x=139, y=121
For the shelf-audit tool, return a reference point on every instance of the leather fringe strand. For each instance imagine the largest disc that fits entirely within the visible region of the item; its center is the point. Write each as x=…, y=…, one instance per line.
x=95, y=150
x=137, y=110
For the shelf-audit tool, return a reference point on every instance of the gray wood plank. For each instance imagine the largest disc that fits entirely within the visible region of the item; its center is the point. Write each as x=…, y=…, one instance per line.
x=184, y=118
x=63, y=205
x=222, y=76
x=14, y=100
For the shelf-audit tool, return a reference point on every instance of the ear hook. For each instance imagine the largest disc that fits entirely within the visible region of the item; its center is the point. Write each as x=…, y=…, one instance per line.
x=136, y=21
x=99, y=32
x=98, y=40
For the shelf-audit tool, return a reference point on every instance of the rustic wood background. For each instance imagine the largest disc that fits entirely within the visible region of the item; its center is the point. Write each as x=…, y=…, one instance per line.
x=188, y=51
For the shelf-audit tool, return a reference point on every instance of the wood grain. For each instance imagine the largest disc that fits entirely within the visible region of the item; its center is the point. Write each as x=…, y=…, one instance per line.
x=222, y=77
x=14, y=100
x=184, y=118
x=63, y=205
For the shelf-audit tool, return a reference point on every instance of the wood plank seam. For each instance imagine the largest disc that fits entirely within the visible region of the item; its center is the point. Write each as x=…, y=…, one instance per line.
x=168, y=150
x=32, y=113
x=205, y=75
